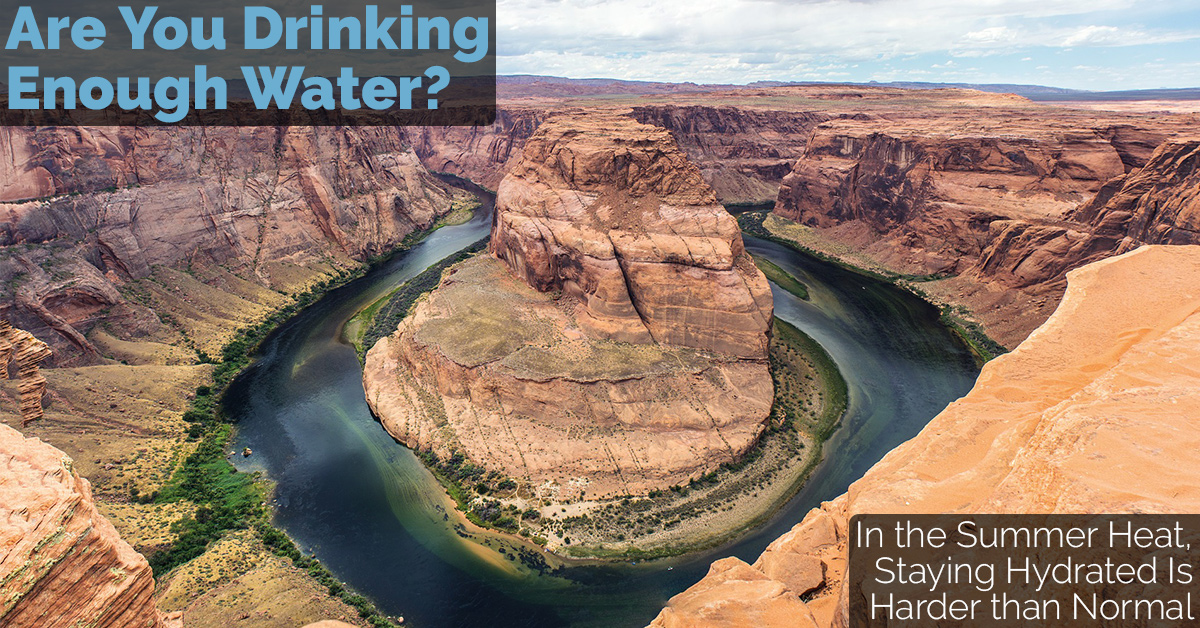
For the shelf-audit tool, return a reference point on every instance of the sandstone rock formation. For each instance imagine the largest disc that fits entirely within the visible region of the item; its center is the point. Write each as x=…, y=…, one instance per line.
x=920, y=181
x=61, y=563
x=611, y=212
x=105, y=206
x=940, y=183
x=1111, y=376
x=617, y=342
x=482, y=154
x=28, y=352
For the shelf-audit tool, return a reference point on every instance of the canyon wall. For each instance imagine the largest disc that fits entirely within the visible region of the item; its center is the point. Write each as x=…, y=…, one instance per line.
x=1006, y=207
x=742, y=153
x=61, y=562
x=1158, y=203
x=987, y=189
x=480, y=154
x=1111, y=376
x=84, y=211
x=614, y=342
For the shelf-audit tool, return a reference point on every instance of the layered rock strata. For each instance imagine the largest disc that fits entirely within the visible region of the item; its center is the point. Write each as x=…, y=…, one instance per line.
x=1111, y=376
x=61, y=562
x=20, y=346
x=743, y=153
x=1007, y=208
x=616, y=341
x=612, y=213
x=106, y=206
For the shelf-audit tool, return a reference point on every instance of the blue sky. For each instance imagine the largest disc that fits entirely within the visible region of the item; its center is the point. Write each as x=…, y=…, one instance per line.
x=1083, y=44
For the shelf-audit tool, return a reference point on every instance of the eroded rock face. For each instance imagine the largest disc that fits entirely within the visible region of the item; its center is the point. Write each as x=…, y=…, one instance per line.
x=1009, y=210
x=614, y=344
x=491, y=368
x=21, y=347
x=742, y=153
x=1112, y=375
x=941, y=189
x=611, y=212
x=61, y=562
x=482, y=154
x=111, y=203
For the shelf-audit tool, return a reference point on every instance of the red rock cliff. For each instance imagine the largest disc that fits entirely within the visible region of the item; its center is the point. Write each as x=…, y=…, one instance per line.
x=112, y=203
x=743, y=153
x=1009, y=206
x=61, y=562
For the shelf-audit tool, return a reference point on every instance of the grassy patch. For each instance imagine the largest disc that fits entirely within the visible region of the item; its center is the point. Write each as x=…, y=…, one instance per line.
x=383, y=316
x=982, y=345
x=781, y=277
x=226, y=499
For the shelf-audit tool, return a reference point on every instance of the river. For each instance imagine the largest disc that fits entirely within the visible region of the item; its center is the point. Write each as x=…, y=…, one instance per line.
x=369, y=510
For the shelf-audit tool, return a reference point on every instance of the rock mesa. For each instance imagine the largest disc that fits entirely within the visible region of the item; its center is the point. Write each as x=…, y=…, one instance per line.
x=614, y=214
x=615, y=342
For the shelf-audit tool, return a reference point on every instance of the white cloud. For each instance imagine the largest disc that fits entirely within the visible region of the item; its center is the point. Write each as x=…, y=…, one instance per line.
x=1098, y=36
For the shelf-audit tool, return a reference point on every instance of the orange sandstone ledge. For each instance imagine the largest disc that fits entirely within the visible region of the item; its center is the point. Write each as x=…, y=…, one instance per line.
x=1093, y=413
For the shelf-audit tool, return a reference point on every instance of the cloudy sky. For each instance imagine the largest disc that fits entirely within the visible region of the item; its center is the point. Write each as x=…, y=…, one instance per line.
x=1084, y=44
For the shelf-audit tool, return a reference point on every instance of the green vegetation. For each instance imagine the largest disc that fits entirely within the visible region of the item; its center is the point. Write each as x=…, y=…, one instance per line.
x=982, y=346
x=781, y=277
x=792, y=406
x=225, y=498
x=381, y=317
x=281, y=545
x=460, y=213
x=468, y=483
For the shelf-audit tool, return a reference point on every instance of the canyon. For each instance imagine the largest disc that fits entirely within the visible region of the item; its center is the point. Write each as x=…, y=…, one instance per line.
x=612, y=342
x=1110, y=376
x=93, y=221
x=136, y=254
x=982, y=193
x=985, y=190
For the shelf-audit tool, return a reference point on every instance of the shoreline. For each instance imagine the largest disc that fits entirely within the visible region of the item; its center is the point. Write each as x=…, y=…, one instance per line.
x=241, y=500
x=982, y=346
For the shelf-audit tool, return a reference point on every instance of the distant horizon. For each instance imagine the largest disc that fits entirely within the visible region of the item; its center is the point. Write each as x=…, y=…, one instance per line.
x=1092, y=45
x=930, y=84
